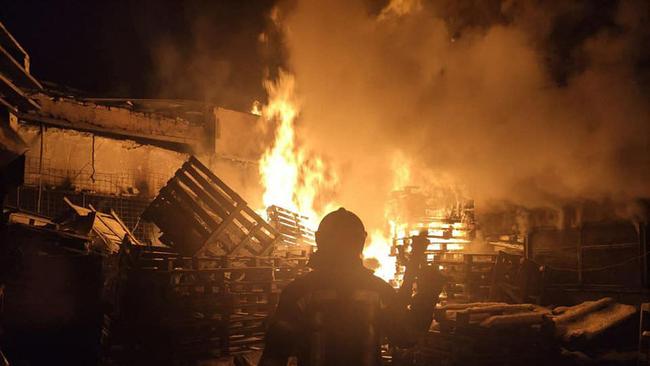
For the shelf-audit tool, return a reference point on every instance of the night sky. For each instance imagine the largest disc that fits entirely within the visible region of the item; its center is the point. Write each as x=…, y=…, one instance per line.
x=204, y=50
x=209, y=50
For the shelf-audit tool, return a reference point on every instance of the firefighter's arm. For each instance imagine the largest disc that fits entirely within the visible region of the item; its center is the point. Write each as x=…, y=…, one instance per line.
x=429, y=284
x=415, y=310
x=405, y=323
x=283, y=330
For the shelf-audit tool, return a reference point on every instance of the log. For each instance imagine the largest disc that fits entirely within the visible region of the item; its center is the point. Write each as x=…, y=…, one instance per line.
x=478, y=318
x=468, y=305
x=596, y=323
x=515, y=319
x=472, y=318
x=582, y=310
x=560, y=310
x=500, y=308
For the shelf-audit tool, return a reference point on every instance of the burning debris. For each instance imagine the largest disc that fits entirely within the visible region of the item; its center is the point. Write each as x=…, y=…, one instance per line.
x=546, y=262
x=446, y=229
x=293, y=178
x=291, y=227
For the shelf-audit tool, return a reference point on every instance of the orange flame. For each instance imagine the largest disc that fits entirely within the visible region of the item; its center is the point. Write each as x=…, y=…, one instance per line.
x=292, y=177
x=381, y=241
x=295, y=178
x=379, y=248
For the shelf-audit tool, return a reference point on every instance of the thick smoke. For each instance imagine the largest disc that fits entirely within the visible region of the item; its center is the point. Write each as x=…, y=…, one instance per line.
x=206, y=51
x=520, y=101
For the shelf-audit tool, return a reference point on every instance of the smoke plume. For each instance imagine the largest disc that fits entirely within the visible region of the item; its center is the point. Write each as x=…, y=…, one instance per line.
x=525, y=101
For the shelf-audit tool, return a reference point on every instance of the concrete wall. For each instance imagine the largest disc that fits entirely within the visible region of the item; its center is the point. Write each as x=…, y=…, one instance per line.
x=124, y=167
x=120, y=166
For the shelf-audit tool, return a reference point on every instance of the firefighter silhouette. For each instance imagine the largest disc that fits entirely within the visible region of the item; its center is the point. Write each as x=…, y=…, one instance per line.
x=340, y=313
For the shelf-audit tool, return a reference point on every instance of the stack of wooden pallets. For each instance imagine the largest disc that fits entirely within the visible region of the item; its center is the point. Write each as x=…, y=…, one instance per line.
x=469, y=276
x=290, y=226
x=296, y=243
x=188, y=309
x=208, y=293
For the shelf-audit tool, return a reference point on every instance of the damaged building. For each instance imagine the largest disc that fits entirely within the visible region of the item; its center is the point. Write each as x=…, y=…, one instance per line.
x=134, y=232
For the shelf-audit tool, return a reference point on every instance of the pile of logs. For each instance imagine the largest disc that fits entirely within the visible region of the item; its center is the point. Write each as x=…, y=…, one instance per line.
x=496, y=333
x=488, y=334
x=489, y=315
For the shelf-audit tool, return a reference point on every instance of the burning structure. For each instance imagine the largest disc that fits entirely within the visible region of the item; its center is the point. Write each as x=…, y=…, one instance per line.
x=447, y=229
x=177, y=223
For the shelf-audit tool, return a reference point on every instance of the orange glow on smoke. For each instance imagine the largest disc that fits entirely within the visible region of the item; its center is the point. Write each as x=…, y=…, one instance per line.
x=295, y=178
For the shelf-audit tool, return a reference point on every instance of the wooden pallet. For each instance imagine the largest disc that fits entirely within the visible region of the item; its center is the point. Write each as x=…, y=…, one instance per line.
x=469, y=276
x=290, y=226
x=196, y=211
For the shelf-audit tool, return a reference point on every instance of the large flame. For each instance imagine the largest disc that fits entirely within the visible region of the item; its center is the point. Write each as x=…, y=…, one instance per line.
x=295, y=178
x=292, y=176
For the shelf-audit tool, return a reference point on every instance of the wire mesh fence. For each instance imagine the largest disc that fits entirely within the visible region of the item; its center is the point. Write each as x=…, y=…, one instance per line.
x=128, y=182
